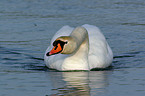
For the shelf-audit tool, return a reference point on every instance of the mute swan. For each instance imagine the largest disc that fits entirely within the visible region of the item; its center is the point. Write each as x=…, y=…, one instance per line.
x=82, y=48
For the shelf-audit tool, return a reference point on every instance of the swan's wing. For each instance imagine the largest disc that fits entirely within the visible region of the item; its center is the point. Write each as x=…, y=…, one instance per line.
x=64, y=31
x=55, y=61
x=100, y=54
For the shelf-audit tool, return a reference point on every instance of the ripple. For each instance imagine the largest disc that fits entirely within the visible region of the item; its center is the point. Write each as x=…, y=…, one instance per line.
x=128, y=60
x=21, y=59
x=133, y=24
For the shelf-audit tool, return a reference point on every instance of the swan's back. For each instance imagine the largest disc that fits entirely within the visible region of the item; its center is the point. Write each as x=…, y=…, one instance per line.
x=100, y=54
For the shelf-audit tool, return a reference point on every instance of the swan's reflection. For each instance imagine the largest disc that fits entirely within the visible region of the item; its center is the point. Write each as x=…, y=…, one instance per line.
x=80, y=83
x=77, y=83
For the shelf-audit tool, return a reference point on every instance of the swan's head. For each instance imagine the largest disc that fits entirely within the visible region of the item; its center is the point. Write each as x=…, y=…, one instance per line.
x=63, y=45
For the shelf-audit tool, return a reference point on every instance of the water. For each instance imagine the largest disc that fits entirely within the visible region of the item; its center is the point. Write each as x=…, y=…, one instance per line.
x=26, y=27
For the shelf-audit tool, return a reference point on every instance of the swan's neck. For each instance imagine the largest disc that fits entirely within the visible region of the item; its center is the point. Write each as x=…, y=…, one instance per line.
x=80, y=35
x=81, y=38
x=79, y=58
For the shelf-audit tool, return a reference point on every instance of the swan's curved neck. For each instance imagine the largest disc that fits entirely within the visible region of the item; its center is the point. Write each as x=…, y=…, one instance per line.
x=79, y=56
x=80, y=36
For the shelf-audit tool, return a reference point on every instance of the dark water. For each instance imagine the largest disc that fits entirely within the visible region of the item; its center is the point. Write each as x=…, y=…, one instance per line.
x=26, y=27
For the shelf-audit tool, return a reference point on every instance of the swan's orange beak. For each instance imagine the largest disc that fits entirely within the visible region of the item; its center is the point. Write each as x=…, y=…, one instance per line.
x=55, y=50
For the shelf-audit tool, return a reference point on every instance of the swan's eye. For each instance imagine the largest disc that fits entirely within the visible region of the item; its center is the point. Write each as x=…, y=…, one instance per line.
x=62, y=43
x=65, y=42
x=55, y=43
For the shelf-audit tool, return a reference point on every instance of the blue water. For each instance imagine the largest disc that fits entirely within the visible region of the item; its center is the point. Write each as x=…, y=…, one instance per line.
x=27, y=26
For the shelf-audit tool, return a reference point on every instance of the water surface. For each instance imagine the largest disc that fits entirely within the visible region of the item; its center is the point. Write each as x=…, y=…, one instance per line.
x=26, y=28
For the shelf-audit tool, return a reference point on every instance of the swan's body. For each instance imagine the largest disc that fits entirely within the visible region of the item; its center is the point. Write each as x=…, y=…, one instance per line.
x=82, y=48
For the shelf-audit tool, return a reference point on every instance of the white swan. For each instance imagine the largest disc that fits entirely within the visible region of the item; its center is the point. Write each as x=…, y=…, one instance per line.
x=82, y=48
